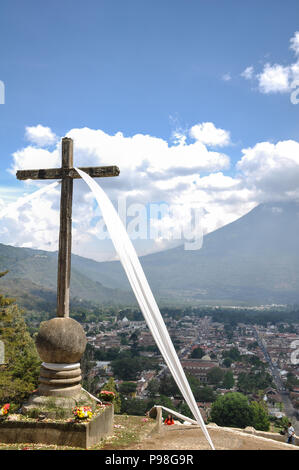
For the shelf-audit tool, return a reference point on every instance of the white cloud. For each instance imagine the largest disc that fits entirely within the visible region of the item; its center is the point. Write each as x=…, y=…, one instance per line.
x=277, y=78
x=40, y=135
x=143, y=152
x=272, y=169
x=226, y=77
x=295, y=43
x=152, y=170
x=30, y=158
x=274, y=79
x=248, y=73
x=209, y=135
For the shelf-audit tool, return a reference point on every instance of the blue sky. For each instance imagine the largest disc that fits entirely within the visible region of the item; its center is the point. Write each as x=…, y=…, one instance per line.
x=151, y=68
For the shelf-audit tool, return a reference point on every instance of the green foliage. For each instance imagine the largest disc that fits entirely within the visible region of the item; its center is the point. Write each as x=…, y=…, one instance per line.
x=232, y=409
x=111, y=387
x=252, y=382
x=161, y=400
x=215, y=376
x=20, y=376
x=168, y=387
x=4, y=301
x=228, y=379
x=129, y=367
x=284, y=421
x=106, y=355
x=292, y=381
x=232, y=354
x=153, y=387
x=255, y=317
x=197, y=353
x=127, y=388
x=88, y=361
x=205, y=394
x=260, y=418
x=185, y=410
x=124, y=340
x=131, y=314
x=134, y=406
x=254, y=361
x=253, y=345
x=227, y=362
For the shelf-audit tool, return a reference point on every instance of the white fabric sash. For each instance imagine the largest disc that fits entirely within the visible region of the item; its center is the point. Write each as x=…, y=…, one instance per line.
x=144, y=296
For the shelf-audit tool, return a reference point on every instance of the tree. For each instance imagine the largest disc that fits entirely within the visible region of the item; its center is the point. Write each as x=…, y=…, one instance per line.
x=134, y=339
x=111, y=387
x=197, y=353
x=205, y=394
x=227, y=362
x=123, y=338
x=194, y=383
x=127, y=388
x=232, y=354
x=252, y=383
x=260, y=420
x=215, y=376
x=20, y=377
x=228, y=379
x=133, y=406
x=128, y=367
x=153, y=387
x=168, y=387
x=232, y=409
x=292, y=381
x=253, y=345
x=5, y=301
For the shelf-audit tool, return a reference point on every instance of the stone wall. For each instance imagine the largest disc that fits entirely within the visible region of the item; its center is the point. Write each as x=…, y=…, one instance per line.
x=82, y=435
x=269, y=435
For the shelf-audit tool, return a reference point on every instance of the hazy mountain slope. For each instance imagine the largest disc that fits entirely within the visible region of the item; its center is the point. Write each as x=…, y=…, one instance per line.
x=254, y=259
x=39, y=270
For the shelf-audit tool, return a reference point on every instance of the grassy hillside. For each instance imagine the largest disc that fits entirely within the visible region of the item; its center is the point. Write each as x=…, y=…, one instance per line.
x=32, y=280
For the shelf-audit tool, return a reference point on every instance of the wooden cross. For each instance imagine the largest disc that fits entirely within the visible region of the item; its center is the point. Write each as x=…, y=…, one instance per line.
x=66, y=173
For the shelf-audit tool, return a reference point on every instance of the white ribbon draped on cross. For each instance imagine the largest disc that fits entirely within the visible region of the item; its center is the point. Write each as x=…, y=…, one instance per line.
x=144, y=296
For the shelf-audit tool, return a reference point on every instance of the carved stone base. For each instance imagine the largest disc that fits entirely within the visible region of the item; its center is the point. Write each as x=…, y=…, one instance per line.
x=64, y=383
x=55, y=407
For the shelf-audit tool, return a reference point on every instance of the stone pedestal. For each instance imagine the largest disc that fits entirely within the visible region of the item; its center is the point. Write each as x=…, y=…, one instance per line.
x=63, y=383
x=54, y=407
x=60, y=344
x=83, y=435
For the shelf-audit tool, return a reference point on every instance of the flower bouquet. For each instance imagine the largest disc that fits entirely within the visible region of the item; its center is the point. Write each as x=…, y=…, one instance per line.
x=4, y=410
x=82, y=412
x=107, y=396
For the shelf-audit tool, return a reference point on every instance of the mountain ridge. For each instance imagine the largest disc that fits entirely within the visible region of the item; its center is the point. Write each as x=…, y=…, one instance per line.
x=252, y=260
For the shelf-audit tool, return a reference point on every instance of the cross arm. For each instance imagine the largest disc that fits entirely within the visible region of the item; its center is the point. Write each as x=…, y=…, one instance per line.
x=59, y=173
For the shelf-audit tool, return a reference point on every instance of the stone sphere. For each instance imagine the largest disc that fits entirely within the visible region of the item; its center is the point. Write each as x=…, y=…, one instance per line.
x=61, y=341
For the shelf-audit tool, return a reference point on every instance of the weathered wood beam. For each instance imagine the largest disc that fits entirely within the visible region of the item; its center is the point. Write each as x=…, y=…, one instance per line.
x=65, y=233
x=60, y=173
